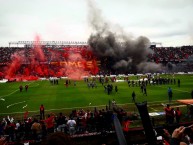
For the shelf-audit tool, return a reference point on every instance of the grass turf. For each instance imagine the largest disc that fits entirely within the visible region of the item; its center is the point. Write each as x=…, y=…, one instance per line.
x=60, y=98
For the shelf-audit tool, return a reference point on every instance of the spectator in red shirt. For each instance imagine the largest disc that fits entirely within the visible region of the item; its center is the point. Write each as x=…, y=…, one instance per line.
x=50, y=123
x=42, y=112
x=169, y=113
x=178, y=114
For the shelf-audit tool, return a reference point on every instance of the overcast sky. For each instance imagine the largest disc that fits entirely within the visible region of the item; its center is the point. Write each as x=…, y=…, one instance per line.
x=167, y=21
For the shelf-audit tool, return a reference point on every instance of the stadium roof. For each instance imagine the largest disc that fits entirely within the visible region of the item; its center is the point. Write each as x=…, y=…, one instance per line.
x=54, y=43
x=47, y=43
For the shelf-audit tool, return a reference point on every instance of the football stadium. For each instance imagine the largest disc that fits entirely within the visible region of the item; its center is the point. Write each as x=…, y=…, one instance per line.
x=108, y=90
x=70, y=79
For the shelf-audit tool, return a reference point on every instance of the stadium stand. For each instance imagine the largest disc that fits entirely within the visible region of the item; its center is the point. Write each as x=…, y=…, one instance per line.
x=171, y=54
x=94, y=127
x=55, y=57
x=160, y=54
x=98, y=123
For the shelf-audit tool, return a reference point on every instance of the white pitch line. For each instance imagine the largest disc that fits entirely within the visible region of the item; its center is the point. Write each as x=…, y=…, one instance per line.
x=2, y=99
x=83, y=107
x=152, y=108
x=181, y=91
x=15, y=104
x=13, y=92
x=10, y=93
x=25, y=106
x=163, y=104
x=35, y=85
x=175, y=89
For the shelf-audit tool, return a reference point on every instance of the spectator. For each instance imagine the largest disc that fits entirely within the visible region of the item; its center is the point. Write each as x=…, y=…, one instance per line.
x=18, y=131
x=116, y=89
x=61, y=122
x=20, y=88
x=168, y=114
x=113, y=103
x=27, y=129
x=50, y=123
x=10, y=130
x=170, y=93
x=133, y=96
x=71, y=124
x=178, y=114
x=178, y=82
x=36, y=129
x=26, y=87
x=44, y=129
x=144, y=90
x=42, y=112
x=177, y=136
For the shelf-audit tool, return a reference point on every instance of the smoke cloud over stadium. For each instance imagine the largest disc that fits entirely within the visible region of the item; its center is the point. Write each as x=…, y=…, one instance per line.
x=181, y=66
x=39, y=61
x=118, y=50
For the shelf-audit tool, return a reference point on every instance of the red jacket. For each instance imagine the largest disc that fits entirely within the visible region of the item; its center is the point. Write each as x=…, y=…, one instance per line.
x=50, y=122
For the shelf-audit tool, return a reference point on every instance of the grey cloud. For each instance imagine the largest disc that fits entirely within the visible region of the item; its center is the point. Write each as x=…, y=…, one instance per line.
x=169, y=33
x=149, y=67
x=155, y=23
x=129, y=55
x=161, y=4
x=190, y=31
x=167, y=15
x=172, y=4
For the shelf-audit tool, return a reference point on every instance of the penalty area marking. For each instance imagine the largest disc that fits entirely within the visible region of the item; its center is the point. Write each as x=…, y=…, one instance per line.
x=2, y=99
x=15, y=104
x=25, y=106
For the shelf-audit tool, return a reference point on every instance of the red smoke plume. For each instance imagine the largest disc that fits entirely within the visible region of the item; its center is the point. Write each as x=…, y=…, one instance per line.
x=39, y=61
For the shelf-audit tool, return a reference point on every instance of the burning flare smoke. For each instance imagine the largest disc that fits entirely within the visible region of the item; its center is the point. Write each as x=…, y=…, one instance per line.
x=118, y=51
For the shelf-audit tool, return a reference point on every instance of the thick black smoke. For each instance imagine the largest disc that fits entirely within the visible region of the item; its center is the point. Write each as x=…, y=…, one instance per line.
x=190, y=59
x=170, y=67
x=118, y=51
x=185, y=66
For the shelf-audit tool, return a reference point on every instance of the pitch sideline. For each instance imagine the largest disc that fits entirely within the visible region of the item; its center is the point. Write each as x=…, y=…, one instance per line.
x=156, y=102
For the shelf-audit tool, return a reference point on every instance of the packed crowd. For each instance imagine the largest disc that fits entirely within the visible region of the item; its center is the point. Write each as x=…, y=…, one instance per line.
x=46, y=62
x=78, y=122
x=60, y=129
x=171, y=54
x=51, y=54
x=159, y=54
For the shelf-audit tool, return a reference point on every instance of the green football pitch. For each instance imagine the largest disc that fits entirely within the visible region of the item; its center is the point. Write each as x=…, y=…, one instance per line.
x=57, y=98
